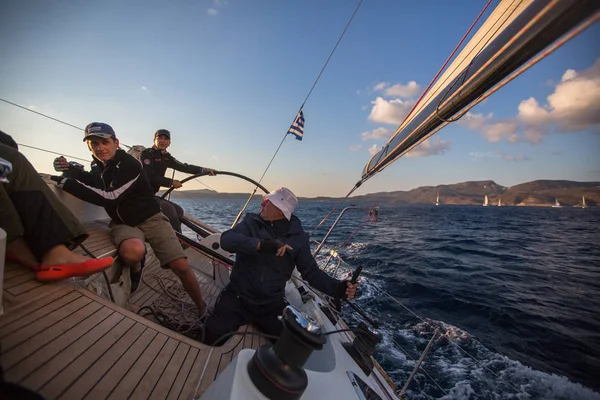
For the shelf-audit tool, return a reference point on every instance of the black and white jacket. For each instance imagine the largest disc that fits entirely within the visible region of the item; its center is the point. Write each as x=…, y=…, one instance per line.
x=120, y=186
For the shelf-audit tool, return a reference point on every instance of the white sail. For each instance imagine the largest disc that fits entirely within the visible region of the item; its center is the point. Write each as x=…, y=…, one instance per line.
x=556, y=203
x=437, y=199
x=485, y=201
x=583, y=202
x=499, y=19
x=499, y=201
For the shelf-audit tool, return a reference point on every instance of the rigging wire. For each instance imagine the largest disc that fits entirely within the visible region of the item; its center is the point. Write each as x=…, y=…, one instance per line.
x=301, y=107
x=53, y=152
x=447, y=61
x=314, y=84
x=442, y=83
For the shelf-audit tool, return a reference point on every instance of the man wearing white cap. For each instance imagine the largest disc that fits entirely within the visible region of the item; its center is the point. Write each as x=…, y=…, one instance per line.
x=268, y=246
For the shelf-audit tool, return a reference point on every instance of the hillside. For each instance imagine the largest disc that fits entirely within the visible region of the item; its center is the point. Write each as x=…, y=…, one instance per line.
x=535, y=193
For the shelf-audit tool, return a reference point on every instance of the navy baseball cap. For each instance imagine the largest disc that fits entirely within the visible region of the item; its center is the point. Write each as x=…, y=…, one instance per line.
x=99, y=129
x=163, y=132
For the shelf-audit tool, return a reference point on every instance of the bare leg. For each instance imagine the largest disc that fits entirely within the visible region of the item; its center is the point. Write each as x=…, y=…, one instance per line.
x=182, y=269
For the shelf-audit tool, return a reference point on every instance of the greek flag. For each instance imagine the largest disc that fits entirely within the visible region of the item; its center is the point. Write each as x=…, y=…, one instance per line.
x=297, y=128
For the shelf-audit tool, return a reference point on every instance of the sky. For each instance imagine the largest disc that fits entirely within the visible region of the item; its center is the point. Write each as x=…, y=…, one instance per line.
x=228, y=77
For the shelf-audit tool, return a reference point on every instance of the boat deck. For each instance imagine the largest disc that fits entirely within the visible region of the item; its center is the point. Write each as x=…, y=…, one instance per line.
x=65, y=342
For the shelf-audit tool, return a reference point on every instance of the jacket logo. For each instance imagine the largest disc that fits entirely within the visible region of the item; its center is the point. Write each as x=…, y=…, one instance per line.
x=147, y=161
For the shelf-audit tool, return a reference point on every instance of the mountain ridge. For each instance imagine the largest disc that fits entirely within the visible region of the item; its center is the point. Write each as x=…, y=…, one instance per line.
x=541, y=192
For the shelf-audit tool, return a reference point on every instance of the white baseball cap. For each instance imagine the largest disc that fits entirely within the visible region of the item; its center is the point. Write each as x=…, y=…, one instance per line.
x=284, y=199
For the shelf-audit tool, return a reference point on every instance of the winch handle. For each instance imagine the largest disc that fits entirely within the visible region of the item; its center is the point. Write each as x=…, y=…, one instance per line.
x=356, y=273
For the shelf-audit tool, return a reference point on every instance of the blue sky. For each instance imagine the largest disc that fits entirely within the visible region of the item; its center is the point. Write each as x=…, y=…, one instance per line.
x=227, y=78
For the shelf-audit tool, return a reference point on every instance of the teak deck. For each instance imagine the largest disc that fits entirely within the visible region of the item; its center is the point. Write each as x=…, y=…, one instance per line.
x=66, y=342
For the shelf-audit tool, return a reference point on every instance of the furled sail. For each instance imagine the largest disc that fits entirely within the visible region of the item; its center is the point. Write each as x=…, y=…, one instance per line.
x=514, y=33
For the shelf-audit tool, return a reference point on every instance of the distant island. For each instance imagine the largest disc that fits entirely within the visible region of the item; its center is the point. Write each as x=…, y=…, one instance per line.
x=535, y=193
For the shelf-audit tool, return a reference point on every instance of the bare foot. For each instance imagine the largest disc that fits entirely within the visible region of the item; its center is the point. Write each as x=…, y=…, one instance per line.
x=60, y=255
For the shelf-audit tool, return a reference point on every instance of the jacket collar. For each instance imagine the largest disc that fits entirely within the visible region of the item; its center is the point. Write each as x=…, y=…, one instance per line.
x=113, y=161
x=295, y=224
x=156, y=149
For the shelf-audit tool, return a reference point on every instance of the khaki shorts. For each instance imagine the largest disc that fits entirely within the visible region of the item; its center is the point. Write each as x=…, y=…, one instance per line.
x=157, y=231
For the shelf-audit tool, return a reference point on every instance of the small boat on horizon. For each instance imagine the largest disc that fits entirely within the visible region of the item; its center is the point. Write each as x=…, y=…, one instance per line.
x=556, y=203
x=485, y=201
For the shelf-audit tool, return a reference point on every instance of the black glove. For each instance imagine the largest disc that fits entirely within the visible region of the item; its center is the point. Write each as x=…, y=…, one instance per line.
x=60, y=180
x=270, y=245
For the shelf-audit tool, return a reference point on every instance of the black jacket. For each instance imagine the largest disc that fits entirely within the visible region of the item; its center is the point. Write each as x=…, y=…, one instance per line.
x=260, y=278
x=121, y=187
x=157, y=161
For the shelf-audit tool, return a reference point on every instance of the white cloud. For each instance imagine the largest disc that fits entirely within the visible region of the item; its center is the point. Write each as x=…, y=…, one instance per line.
x=404, y=91
x=574, y=105
x=430, y=147
x=476, y=156
x=380, y=86
x=509, y=157
x=407, y=91
x=355, y=147
x=377, y=133
x=492, y=131
x=390, y=112
x=212, y=12
x=144, y=88
x=373, y=149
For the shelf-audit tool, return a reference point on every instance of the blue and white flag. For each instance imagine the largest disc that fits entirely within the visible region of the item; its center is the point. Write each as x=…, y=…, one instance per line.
x=297, y=128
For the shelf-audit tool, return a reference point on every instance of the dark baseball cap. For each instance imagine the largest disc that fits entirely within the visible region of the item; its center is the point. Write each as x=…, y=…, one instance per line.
x=163, y=132
x=99, y=129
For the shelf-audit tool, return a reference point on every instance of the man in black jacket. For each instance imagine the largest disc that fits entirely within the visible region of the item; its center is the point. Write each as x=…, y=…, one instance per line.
x=156, y=160
x=268, y=247
x=118, y=183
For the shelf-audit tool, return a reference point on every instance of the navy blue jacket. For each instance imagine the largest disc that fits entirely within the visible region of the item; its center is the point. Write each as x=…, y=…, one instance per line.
x=260, y=278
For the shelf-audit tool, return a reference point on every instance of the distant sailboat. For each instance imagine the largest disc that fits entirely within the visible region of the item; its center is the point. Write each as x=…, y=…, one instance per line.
x=485, y=201
x=556, y=203
x=437, y=199
x=582, y=203
x=499, y=201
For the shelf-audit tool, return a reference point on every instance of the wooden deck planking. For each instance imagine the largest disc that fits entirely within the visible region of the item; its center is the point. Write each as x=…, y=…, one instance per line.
x=182, y=374
x=32, y=362
x=33, y=311
x=196, y=374
x=170, y=372
x=71, y=373
x=105, y=385
x=103, y=364
x=19, y=336
x=31, y=345
x=46, y=372
x=155, y=370
x=66, y=342
x=133, y=376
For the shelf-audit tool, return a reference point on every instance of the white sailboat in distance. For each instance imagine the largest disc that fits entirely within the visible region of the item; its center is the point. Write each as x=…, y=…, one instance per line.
x=437, y=199
x=485, y=201
x=556, y=203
